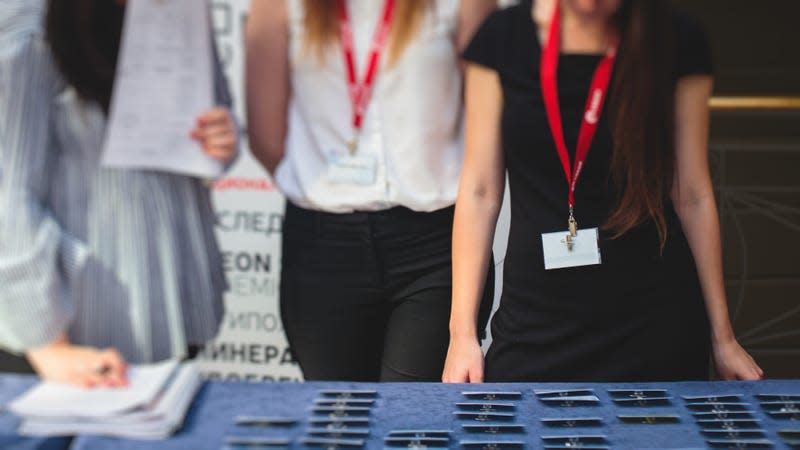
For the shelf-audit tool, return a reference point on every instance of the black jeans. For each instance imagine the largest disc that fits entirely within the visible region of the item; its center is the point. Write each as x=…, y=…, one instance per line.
x=366, y=296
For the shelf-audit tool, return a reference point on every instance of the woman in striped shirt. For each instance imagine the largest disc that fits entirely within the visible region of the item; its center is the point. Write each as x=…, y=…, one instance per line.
x=90, y=257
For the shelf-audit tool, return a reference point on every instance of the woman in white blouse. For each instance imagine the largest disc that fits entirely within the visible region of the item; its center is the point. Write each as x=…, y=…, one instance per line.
x=98, y=266
x=355, y=107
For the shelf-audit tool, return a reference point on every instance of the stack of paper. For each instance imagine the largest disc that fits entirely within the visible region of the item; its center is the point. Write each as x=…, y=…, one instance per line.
x=153, y=406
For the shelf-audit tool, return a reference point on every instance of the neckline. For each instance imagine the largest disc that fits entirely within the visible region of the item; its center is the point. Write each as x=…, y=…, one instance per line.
x=534, y=29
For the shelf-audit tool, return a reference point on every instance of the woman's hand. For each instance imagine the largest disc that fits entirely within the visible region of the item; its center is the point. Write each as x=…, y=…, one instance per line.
x=734, y=363
x=81, y=366
x=464, y=363
x=217, y=133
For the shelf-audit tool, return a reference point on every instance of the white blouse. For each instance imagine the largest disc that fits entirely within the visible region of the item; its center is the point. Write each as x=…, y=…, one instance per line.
x=412, y=127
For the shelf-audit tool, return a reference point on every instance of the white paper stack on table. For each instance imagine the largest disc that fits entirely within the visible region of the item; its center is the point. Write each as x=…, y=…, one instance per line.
x=153, y=406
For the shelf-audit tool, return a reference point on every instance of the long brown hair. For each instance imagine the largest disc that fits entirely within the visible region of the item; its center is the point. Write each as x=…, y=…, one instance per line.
x=322, y=25
x=84, y=37
x=642, y=117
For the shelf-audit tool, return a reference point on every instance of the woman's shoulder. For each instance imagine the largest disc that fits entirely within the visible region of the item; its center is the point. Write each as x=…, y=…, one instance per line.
x=510, y=17
x=688, y=27
x=499, y=38
x=21, y=21
x=692, y=45
x=24, y=51
x=22, y=33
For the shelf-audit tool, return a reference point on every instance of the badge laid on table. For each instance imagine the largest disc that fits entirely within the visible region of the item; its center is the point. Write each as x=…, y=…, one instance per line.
x=572, y=247
x=349, y=165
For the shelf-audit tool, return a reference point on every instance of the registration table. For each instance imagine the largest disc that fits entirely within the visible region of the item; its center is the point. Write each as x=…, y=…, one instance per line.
x=624, y=416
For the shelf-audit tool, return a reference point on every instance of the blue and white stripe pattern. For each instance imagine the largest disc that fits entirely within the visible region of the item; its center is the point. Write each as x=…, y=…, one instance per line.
x=115, y=258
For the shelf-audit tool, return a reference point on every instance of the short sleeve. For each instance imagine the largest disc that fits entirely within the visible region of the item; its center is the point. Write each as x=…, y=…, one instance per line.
x=483, y=48
x=693, y=48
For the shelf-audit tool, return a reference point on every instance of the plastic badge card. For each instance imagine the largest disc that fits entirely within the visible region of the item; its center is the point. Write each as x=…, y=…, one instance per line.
x=346, y=433
x=578, y=400
x=694, y=399
x=492, y=444
x=562, y=393
x=416, y=442
x=337, y=411
x=340, y=423
x=251, y=442
x=486, y=406
x=651, y=401
x=494, y=428
x=259, y=421
x=483, y=416
x=343, y=402
x=573, y=422
x=493, y=395
x=359, y=169
x=583, y=251
x=741, y=443
x=420, y=433
x=330, y=443
x=735, y=434
x=723, y=415
x=638, y=393
x=349, y=394
x=575, y=441
x=649, y=419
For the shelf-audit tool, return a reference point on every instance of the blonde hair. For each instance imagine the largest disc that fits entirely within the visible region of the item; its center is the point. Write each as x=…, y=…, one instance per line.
x=321, y=24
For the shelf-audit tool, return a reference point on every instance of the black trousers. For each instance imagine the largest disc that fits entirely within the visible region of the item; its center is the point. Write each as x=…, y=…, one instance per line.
x=366, y=296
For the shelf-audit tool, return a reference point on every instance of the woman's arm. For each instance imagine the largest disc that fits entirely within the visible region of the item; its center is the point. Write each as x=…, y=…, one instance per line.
x=471, y=15
x=693, y=197
x=480, y=195
x=38, y=259
x=267, y=80
x=35, y=306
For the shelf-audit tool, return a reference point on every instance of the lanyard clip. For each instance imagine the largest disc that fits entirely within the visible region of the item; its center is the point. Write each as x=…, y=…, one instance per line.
x=573, y=224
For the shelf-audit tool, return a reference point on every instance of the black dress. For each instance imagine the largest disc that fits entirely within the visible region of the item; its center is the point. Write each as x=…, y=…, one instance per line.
x=637, y=316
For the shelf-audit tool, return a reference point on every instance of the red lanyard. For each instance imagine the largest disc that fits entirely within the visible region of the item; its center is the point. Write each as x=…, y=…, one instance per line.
x=594, y=104
x=360, y=93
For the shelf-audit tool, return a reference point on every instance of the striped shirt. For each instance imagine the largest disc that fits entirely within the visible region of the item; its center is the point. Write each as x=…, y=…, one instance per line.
x=114, y=258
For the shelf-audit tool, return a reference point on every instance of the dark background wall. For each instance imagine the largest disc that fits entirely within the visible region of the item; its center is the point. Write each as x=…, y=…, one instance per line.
x=755, y=158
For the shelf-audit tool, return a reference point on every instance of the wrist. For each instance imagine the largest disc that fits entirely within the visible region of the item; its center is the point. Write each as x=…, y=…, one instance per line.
x=722, y=335
x=60, y=341
x=460, y=331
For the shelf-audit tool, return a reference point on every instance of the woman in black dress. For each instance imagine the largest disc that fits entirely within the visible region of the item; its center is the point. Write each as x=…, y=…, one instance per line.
x=638, y=294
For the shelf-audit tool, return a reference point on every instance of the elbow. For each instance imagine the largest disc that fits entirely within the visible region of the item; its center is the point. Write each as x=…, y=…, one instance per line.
x=269, y=154
x=690, y=200
x=482, y=196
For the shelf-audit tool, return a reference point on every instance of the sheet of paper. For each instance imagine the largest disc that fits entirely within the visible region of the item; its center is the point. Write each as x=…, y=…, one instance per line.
x=48, y=399
x=164, y=81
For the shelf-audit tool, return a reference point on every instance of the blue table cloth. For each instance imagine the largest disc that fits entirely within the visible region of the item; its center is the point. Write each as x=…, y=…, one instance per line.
x=431, y=406
x=10, y=387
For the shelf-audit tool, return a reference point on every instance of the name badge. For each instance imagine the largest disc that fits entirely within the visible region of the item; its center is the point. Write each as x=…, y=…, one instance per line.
x=344, y=168
x=580, y=250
